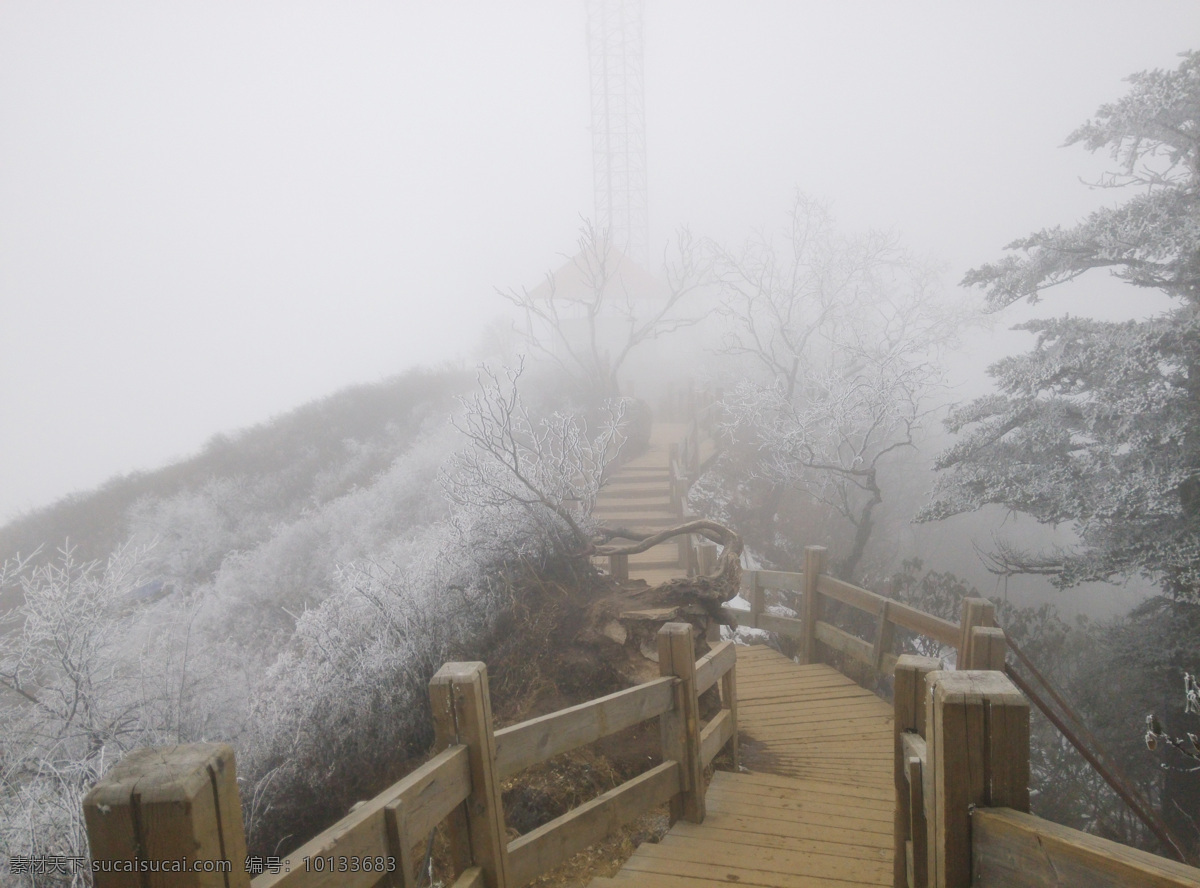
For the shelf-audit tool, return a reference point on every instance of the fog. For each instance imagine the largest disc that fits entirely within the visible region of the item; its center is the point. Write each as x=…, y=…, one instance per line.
x=211, y=212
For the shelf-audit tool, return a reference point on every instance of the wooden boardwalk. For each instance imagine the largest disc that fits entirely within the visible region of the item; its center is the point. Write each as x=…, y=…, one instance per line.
x=816, y=805
x=639, y=497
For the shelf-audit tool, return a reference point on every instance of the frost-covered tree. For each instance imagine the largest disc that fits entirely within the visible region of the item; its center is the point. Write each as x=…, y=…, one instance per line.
x=1099, y=425
x=551, y=467
x=843, y=329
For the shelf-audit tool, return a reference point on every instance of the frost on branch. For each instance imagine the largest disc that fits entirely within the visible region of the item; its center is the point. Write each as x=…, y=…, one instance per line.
x=548, y=467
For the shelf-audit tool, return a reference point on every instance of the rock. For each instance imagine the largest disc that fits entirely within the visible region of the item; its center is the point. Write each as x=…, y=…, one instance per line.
x=615, y=631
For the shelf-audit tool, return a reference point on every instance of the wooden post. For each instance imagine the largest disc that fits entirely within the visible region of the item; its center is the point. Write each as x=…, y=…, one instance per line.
x=756, y=599
x=463, y=710
x=987, y=648
x=909, y=703
x=680, y=727
x=975, y=612
x=729, y=701
x=166, y=804
x=618, y=567
x=885, y=633
x=814, y=563
x=977, y=738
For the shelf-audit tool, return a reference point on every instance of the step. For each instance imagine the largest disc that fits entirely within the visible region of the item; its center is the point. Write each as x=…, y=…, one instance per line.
x=638, y=520
x=634, y=491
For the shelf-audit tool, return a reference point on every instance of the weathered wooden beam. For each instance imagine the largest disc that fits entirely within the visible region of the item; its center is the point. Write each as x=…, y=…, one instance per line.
x=975, y=612
x=1018, y=850
x=714, y=736
x=814, y=563
x=714, y=664
x=848, y=593
x=850, y=645
x=926, y=624
x=977, y=738
x=404, y=813
x=729, y=703
x=781, y=625
x=909, y=721
x=459, y=691
x=757, y=606
x=525, y=744
x=546, y=847
x=987, y=648
x=680, y=726
x=164, y=804
x=885, y=633
x=618, y=566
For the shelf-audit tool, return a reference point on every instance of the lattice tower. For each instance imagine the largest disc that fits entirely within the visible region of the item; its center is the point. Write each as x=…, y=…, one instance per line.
x=619, y=124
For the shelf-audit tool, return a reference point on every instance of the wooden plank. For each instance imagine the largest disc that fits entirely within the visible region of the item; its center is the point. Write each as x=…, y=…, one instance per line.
x=729, y=701
x=713, y=665
x=664, y=880
x=714, y=736
x=651, y=859
x=777, y=862
x=756, y=600
x=876, y=818
x=166, y=804
x=533, y=741
x=1012, y=848
x=783, y=581
x=782, y=625
x=432, y=791
x=679, y=727
x=940, y=630
x=798, y=786
x=546, y=847
x=843, y=641
x=810, y=795
x=848, y=593
x=759, y=840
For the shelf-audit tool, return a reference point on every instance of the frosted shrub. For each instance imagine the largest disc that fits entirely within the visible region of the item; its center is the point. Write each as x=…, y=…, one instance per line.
x=89, y=669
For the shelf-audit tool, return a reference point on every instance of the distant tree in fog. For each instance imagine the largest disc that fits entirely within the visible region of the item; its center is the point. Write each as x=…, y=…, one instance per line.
x=844, y=330
x=588, y=317
x=1099, y=425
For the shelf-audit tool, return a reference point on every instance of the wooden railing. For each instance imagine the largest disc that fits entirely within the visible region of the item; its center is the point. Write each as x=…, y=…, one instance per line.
x=980, y=645
x=962, y=795
x=181, y=803
x=961, y=746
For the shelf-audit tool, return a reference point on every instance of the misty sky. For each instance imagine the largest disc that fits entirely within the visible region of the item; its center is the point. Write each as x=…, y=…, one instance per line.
x=211, y=212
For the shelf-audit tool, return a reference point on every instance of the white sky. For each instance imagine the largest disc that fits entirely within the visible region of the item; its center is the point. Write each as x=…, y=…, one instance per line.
x=211, y=212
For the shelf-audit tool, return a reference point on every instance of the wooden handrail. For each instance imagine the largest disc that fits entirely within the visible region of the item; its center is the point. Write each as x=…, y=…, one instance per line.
x=1018, y=850
x=530, y=742
x=198, y=815
x=817, y=587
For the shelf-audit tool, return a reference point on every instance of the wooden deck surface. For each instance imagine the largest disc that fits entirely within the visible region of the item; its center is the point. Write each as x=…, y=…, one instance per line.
x=814, y=808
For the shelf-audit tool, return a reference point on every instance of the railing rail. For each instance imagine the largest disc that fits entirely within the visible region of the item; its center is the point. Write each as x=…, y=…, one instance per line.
x=980, y=645
x=182, y=802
